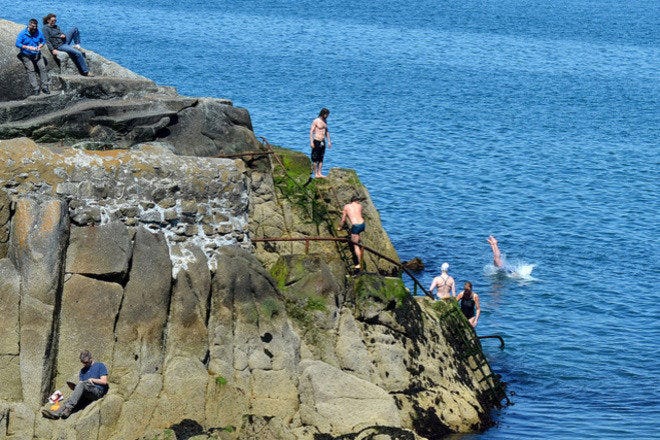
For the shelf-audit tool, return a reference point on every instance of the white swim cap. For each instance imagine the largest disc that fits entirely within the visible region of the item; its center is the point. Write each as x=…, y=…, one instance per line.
x=444, y=267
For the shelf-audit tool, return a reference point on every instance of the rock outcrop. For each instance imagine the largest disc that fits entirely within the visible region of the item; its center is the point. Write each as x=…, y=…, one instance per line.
x=115, y=109
x=117, y=235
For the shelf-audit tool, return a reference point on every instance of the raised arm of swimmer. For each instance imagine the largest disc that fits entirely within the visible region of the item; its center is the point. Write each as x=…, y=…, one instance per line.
x=497, y=256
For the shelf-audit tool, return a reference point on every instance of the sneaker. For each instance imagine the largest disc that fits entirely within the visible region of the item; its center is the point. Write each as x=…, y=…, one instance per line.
x=77, y=47
x=50, y=414
x=46, y=90
x=88, y=74
x=66, y=412
x=36, y=92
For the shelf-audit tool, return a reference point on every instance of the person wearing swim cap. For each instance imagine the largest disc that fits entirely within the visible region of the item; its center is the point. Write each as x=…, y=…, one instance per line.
x=444, y=283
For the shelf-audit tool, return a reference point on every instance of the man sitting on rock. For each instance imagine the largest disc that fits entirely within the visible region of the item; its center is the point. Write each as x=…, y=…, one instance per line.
x=58, y=41
x=92, y=385
x=30, y=41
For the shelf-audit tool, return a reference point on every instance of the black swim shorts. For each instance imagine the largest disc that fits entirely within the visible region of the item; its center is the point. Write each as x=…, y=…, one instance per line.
x=356, y=229
x=318, y=151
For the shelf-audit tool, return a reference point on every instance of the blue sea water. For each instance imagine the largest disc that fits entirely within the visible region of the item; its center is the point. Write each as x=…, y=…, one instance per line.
x=531, y=120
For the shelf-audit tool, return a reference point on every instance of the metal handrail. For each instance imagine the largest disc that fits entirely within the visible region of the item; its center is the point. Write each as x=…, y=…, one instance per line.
x=245, y=153
x=347, y=240
x=494, y=337
x=416, y=282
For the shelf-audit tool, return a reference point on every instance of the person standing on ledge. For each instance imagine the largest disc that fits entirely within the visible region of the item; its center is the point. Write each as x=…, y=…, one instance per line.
x=469, y=302
x=353, y=212
x=318, y=133
x=444, y=283
x=92, y=385
x=58, y=41
x=30, y=41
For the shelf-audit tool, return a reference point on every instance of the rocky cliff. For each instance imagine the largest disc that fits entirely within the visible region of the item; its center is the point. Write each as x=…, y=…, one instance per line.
x=122, y=231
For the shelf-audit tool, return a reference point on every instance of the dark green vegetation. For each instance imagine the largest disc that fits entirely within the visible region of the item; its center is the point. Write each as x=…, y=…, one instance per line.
x=383, y=289
x=292, y=179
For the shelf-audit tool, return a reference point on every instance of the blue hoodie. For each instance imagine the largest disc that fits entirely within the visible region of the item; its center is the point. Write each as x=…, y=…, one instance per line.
x=26, y=39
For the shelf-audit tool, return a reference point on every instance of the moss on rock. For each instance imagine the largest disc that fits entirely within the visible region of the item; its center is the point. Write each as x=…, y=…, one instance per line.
x=383, y=289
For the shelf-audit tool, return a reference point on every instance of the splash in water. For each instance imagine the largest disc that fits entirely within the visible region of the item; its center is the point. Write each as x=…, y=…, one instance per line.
x=518, y=270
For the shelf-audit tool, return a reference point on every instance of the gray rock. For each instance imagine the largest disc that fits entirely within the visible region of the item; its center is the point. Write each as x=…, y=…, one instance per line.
x=151, y=216
x=88, y=314
x=115, y=108
x=199, y=329
x=100, y=250
x=339, y=403
x=15, y=84
x=213, y=127
x=5, y=211
x=185, y=379
x=9, y=332
x=186, y=330
x=351, y=350
x=36, y=339
x=11, y=390
x=141, y=322
x=39, y=232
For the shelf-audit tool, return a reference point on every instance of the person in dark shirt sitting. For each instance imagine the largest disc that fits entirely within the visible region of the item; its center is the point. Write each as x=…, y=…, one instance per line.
x=92, y=385
x=57, y=41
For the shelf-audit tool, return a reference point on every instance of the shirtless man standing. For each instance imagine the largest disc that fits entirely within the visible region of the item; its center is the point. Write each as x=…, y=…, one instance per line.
x=444, y=283
x=353, y=211
x=318, y=133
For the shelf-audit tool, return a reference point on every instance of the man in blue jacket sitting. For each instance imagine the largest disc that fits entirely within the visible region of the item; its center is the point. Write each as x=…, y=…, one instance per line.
x=30, y=41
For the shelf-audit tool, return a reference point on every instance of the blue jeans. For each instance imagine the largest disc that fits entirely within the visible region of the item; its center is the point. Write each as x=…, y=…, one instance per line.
x=73, y=36
x=85, y=390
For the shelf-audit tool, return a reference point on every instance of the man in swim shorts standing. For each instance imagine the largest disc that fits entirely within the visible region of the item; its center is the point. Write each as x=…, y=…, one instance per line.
x=353, y=211
x=318, y=133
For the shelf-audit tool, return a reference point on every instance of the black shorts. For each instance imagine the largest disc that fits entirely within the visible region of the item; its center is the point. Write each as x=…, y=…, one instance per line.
x=318, y=151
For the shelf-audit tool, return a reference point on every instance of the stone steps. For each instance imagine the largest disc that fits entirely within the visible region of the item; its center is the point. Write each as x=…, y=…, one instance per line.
x=45, y=119
x=103, y=87
x=55, y=105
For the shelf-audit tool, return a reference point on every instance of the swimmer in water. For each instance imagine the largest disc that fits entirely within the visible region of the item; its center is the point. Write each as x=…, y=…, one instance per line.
x=469, y=304
x=520, y=270
x=497, y=256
